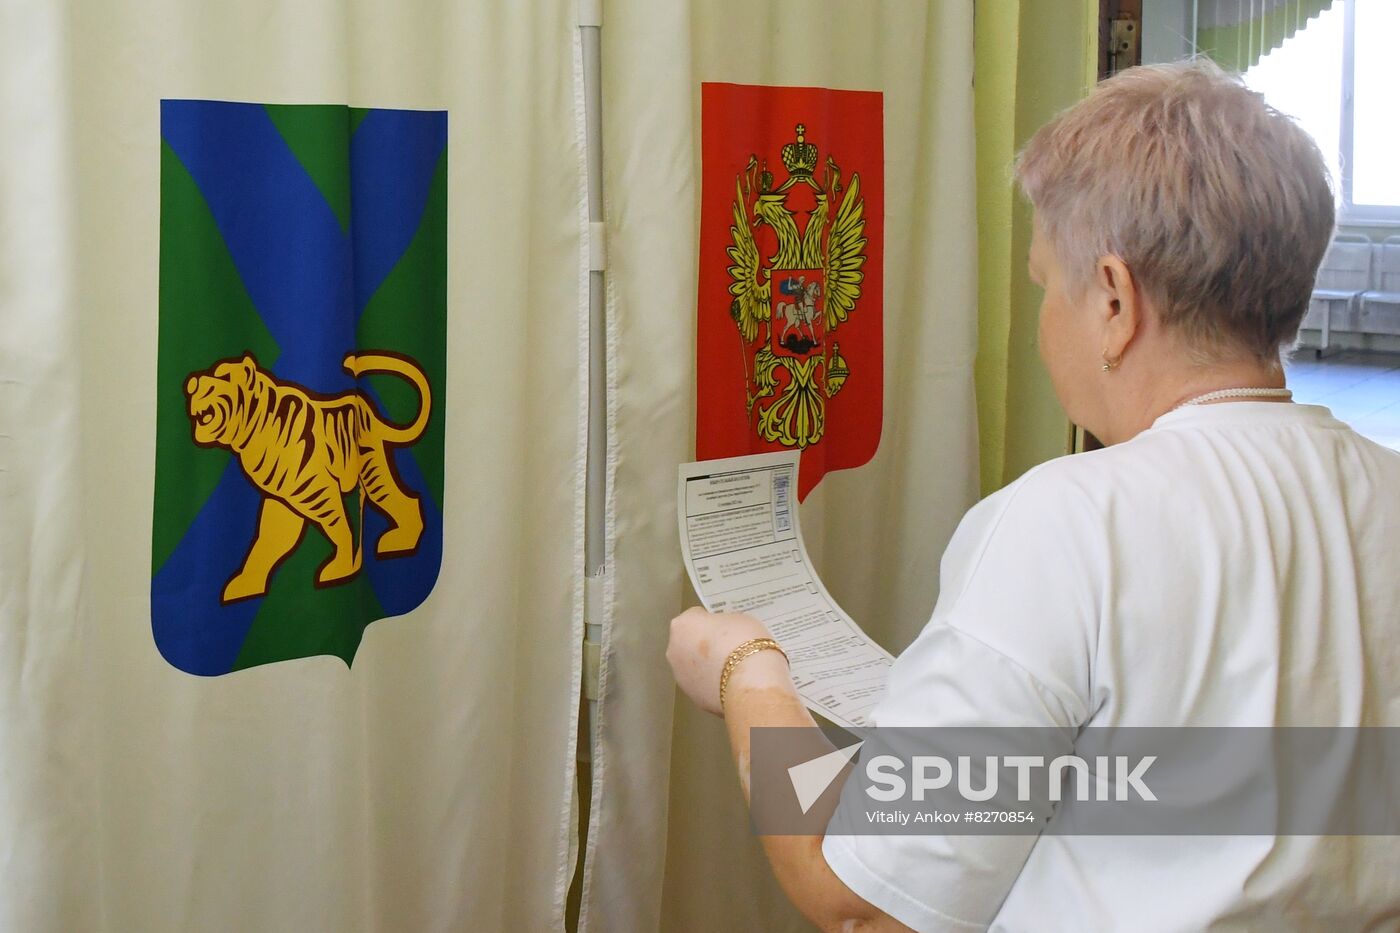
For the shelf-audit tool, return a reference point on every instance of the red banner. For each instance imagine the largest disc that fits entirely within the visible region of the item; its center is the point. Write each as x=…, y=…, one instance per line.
x=790, y=336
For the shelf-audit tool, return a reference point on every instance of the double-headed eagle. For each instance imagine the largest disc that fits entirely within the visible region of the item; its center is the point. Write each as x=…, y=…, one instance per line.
x=792, y=363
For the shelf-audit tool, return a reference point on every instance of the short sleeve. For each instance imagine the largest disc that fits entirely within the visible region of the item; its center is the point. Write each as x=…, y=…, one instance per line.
x=1009, y=645
x=1024, y=577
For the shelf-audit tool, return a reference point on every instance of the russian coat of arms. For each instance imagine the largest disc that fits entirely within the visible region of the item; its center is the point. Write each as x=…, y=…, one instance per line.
x=797, y=250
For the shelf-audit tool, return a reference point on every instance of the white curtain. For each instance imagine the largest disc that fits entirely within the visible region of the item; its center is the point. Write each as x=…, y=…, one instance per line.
x=876, y=531
x=429, y=783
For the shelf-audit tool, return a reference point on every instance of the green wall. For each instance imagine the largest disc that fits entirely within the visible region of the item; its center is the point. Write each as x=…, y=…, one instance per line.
x=1034, y=58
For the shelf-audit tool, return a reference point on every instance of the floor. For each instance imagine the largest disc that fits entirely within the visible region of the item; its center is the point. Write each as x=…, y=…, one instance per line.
x=1361, y=388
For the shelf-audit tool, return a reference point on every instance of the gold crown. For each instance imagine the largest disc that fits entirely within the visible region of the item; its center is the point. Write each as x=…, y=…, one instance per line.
x=800, y=157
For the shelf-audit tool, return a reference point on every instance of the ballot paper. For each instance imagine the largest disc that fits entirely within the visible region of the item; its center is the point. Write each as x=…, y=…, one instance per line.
x=743, y=549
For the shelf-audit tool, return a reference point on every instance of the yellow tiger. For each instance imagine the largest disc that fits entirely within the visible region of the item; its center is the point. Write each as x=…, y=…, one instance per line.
x=305, y=451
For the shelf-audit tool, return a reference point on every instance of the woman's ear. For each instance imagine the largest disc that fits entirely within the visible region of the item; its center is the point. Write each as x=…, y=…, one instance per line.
x=1120, y=305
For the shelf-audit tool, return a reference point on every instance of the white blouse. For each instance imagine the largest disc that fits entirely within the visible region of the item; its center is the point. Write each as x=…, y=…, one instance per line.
x=1237, y=564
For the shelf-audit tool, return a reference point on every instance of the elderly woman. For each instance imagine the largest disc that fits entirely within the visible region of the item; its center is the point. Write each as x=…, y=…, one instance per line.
x=1229, y=559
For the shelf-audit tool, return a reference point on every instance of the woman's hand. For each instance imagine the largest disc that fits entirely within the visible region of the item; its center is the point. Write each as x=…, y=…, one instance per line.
x=700, y=644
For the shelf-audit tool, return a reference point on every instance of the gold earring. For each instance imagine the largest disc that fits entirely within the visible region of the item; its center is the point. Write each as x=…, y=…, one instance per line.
x=1107, y=363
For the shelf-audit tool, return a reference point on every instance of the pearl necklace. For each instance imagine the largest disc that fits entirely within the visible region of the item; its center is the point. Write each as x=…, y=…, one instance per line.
x=1236, y=393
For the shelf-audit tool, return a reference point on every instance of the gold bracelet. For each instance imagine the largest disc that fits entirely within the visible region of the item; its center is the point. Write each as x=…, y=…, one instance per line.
x=747, y=649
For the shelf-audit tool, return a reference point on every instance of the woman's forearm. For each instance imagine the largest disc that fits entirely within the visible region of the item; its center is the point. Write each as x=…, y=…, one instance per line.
x=761, y=694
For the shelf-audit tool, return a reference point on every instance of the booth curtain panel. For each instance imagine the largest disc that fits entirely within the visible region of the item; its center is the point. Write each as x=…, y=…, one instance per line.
x=1237, y=33
x=876, y=531
x=424, y=782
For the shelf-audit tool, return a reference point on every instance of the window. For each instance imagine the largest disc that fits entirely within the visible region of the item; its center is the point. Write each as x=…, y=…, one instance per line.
x=1337, y=77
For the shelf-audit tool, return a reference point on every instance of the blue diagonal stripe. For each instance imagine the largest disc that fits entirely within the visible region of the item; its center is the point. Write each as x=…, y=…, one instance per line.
x=193, y=630
x=283, y=236
x=401, y=583
x=393, y=156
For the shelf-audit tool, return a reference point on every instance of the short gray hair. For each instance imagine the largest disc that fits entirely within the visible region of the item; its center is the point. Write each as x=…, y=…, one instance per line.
x=1220, y=205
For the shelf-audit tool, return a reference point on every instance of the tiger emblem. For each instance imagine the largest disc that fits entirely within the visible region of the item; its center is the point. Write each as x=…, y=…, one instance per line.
x=305, y=452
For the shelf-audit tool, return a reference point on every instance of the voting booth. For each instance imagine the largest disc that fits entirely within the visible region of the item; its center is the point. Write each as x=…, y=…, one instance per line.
x=351, y=354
